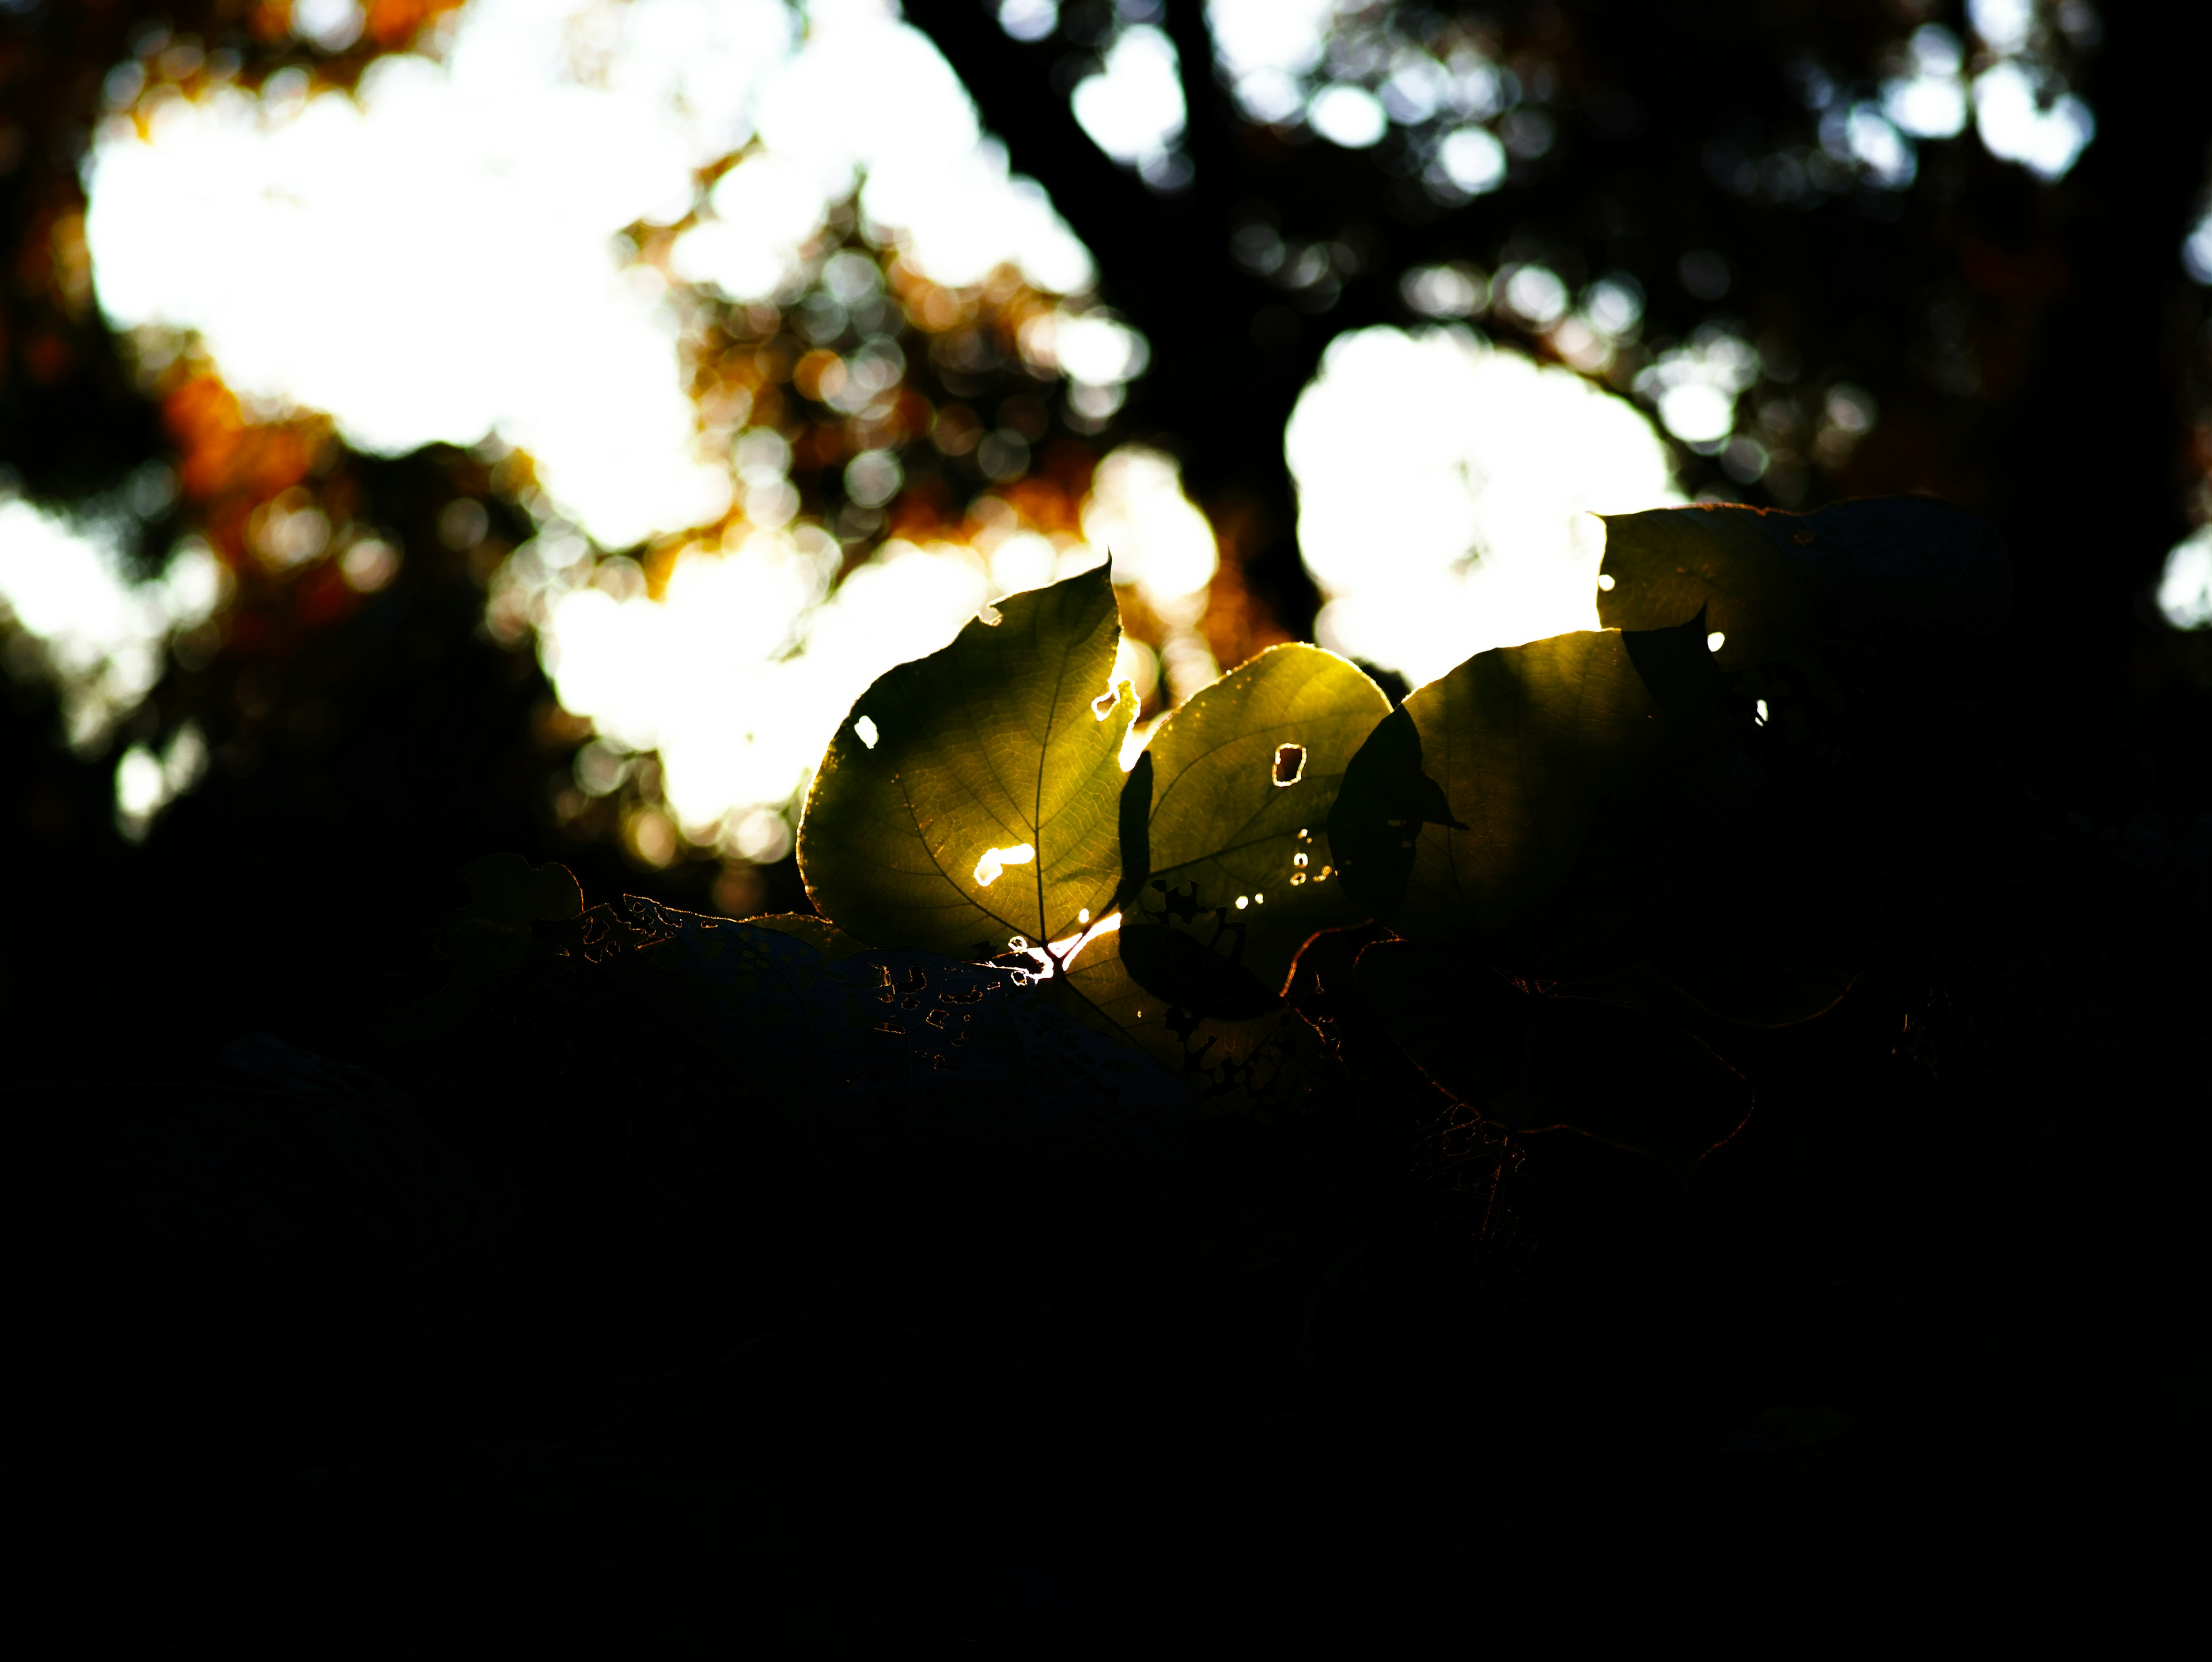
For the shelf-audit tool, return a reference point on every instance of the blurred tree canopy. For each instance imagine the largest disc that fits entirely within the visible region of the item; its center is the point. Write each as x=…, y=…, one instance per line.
x=2027, y=347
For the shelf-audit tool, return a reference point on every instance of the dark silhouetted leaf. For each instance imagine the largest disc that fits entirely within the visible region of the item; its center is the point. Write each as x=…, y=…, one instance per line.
x=1191, y=970
x=818, y=933
x=1667, y=565
x=1763, y=983
x=1260, y=1060
x=1468, y=825
x=1386, y=799
x=973, y=1117
x=489, y=937
x=1887, y=565
x=1530, y=1064
x=900, y=1026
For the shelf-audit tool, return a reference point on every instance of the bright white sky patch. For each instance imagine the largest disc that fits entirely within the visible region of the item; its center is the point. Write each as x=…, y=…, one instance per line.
x=1158, y=540
x=1446, y=491
x=702, y=676
x=1267, y=46
x=101, y=637
x=1350, y=116
x=2185, y=589
x=2017, y=126
x=740, y=674
x=436, y=260
x=1134, y=110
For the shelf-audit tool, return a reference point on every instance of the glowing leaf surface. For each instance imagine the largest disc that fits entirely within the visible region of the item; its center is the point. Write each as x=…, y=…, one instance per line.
x=1000, y=740
x=1237, y=872
x=1465, y=811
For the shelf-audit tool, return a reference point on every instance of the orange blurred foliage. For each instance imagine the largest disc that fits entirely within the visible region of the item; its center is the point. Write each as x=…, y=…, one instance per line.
x=389, y=24
x=228, y=465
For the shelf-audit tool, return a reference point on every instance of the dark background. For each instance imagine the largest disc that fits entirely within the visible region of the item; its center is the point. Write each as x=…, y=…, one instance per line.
x=366, y=750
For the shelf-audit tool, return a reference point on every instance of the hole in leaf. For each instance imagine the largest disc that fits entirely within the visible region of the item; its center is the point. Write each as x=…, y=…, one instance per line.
x=995, y=862
x=1759, y=712
x=990, y=614
x=1299, y=861
x=1716, y=640
x=1289, y=764
x=1084, y=917
x=864, y=731
x=1605, y=579
x=1103, y=705
x=1242, y=901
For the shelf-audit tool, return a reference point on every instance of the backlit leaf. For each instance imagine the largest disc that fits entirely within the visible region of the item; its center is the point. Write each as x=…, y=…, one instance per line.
x=1667, y=564
x=1885, y=565
x=1233, y=871
x=1465, y=811
x=970, y=796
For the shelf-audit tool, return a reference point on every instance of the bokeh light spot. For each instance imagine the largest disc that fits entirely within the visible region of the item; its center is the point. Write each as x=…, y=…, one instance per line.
x=1446, y=494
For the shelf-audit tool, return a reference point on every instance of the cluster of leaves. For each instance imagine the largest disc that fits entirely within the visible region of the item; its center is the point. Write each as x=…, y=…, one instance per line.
x=1556, y=839
x=869, y=1297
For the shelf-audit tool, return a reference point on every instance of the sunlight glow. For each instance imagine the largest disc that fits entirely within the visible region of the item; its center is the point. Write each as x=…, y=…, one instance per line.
x=992, y=866
x=1696, y=384
x=1064, y=952
x=459, y=219
x=1134, y=108
x=1931, y=102
x=745, y=667
x=72, y=615
x=439, y=258
x=2184, y=588
x=1446, y=491
x=1158, y=540
x=1265, y=46
x=1350, y=116
x=2017, y=125
x=146, y=783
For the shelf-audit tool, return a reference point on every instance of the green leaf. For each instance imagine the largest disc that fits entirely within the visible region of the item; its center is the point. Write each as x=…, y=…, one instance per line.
x=1465, y=813
x=1530, y=1064
x=1663, y=567
x=1879, y=566
x=970, y=796
x=1233, y=871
